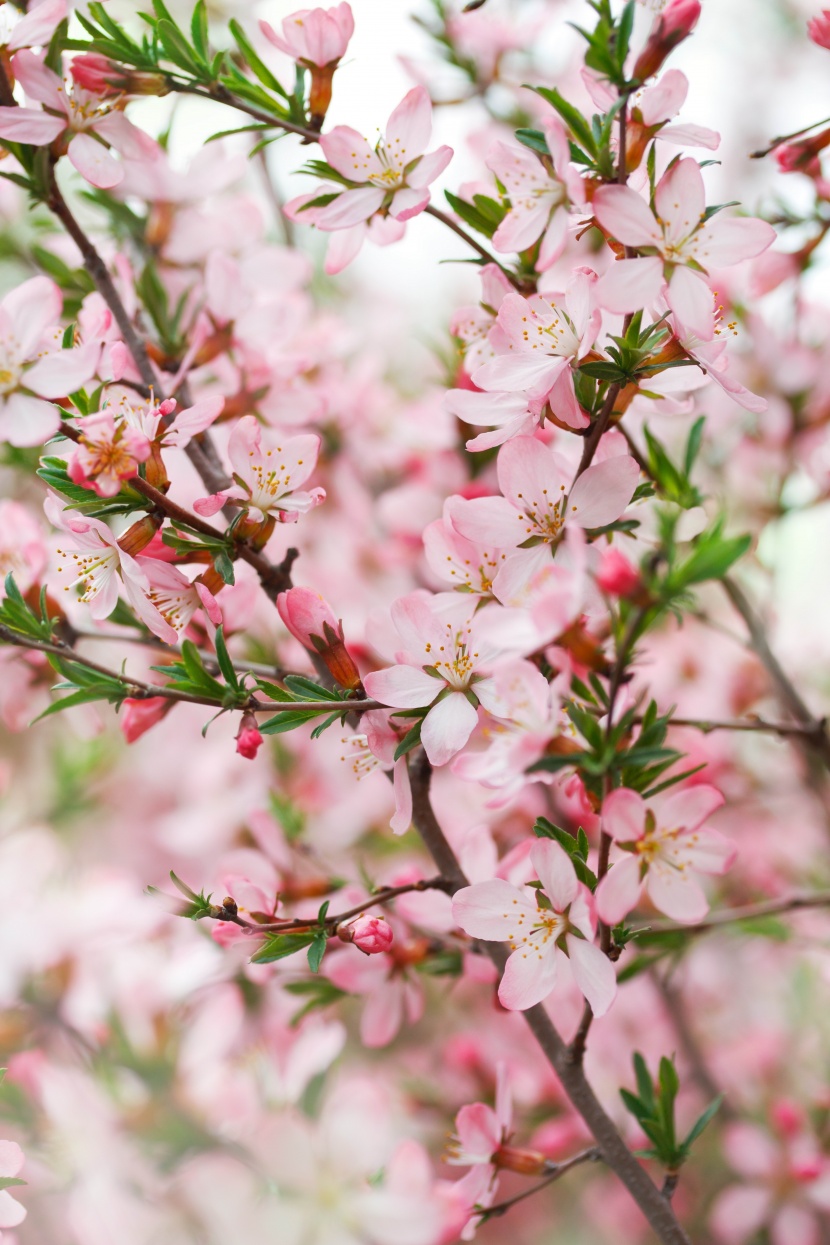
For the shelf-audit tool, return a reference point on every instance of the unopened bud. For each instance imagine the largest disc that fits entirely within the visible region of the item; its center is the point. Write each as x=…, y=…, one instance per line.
x=672, y=26
x=98, y=74
x=524, y=1162
x=138, y=716
x=137, y=537
x=370, y=934
x=310, y=620
x=617, y=576
x=248, y=738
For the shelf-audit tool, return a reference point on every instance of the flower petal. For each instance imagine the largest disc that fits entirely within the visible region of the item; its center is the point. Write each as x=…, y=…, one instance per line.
x=593, y=973
x=494, y=910
x=94, y=162
x=602, y=493
x=529, y=976
x=626, y=216
x=624, y=815
x=555, y=872
x=447, y=727
x=402, y=687
x=619, y=890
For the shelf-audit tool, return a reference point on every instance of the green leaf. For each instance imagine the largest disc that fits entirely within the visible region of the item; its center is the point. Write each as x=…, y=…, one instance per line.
x=223, y=564
x=572, y=117
x=317, y=950
x=287, y=721
x=9, y=1182
x=224, y=660
x=280, y=946
x=199, y=31
x=482, y=222
x=307, y=689
x=255, y=64
x=701, y=1122
x=410, y=740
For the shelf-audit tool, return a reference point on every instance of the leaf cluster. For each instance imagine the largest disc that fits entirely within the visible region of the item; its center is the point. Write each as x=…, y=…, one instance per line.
x=653, y=1107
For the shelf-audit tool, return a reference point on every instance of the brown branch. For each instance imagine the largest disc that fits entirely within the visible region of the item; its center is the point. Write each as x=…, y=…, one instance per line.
x=611, y=1145
x=435, y=212
x=733, y=916
x=229, y=912
x=592, y=1155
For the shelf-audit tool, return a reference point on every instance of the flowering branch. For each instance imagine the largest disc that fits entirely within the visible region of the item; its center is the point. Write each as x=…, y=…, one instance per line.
x=556, y=1171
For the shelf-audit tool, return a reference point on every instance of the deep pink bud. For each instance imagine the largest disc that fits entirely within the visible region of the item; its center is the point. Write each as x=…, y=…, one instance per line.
x=616, y=575
x=138, y=716
x=96, y=73
x=788, y=1117
x=674, y=24
x=310, y=620
x=248, y=739
x=371, y=934
x=818, y=28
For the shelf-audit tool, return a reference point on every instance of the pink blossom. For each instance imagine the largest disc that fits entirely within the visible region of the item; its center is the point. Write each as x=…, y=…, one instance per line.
x=539, y=936
x=539, y=199
x=473, y=325
x=394, y=176
x=153, y=420
x=22, y=547
x=314, y=36
x=172, y=599
x=539, y=340
x=480, y=1131
x=464, y=564
x=11, y=1161
x=106, y=454
x=665, y=843
x=376, y=746
x=370, y=934
x=36, y=28
x=818, y=28
x=440, y=667
x=32, y=367
x=393, y=991
x=87, y=123
x=536, y=504
x=678, y=242
x=268, y=470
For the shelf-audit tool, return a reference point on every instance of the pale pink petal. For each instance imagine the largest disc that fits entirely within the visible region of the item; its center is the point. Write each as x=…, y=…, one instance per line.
x=38, y=26
x=556, y=873
x=619, y=891
x=127, y=139
x=495, y=911
x=348, y=209
x=794, y=1225
x=32, y=308
x=739, y=1212
x=690, y=298
x=382, y=1014
x=94, y=162
x=665, y=98
x=593, y=973
x=343, y=246
x=195, y=419
x=27, y=421
x=408, y=128
x=11, y=1160
x=64, y=371
x=729, y=240
x=11, y=1211
x=402, y=817
x=478, y=1131
x=521, y=227
x=30, y=125
x=209, y=506
x=629, y=284
x=708, y=851
x=602, y=493
x=690, y=807
x=447, y=727
x=429, y=167
x=689, y=135
x=752, y=1151
x=553, y=243
x=563, y=403
x=407, y=203
x=209, y=604
x=680, y=200
x=38, y=81
x=624, y=815
x=529, y=976
x=402, y=687
x=350, y=154
x=626, y=216
x=520, y=370
x=487, y=520
x=675, y=893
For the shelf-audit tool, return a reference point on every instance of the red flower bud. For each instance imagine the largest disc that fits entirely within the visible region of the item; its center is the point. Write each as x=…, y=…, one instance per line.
x=616, y=575
x=138, y=716
x=818, y=28
x=248, y=739
x=674, y=24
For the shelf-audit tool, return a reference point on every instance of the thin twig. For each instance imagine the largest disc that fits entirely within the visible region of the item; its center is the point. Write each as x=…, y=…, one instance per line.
x=733, y=916
x=230, y=914
x=592, y=1155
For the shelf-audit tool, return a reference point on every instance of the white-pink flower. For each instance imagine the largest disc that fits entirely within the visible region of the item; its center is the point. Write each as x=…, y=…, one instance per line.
x=480, y=1131
x=92, y=559
x=393, y=177
x=540, y=338
x=174, y=599
x=665, y=844
x=678, y=244
x=539, y=199
x=314, y=36
x=268, y=470
x=11, y=1161
x=393, y=991
x=464, y=564
x=107, y=453
x=440, y=668
x=376, y=746
x=153, y=420
x=539, y=935
x=474, y=325
x=89, y=124
x=33, y=368
x=536, y=504
x=22, y=548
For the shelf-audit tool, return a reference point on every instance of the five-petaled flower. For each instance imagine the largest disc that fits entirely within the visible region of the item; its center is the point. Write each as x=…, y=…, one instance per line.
x=665, y=844
x=268, y=471
x=541, y=929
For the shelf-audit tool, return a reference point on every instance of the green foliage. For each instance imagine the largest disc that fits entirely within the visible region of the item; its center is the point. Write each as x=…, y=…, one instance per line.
x=20, y=618
x=483, y=214
x=576, y=846
x=299, y=688
x=672, y=480
x=653, y=1107
x=318, y=993
x=54, y=474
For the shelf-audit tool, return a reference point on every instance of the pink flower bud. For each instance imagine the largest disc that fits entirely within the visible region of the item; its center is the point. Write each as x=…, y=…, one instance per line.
x=674, y=24
x=96, y=73
x=315, y=38
x=248, y=739
x=310, y=620
x=818, y=28
x=138, y=716
x=616, y=575
x=787, y=1117
x=371, y=934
